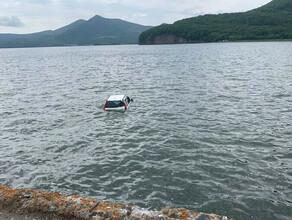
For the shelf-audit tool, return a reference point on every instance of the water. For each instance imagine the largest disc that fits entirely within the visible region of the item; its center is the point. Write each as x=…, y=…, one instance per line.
x=210, y=128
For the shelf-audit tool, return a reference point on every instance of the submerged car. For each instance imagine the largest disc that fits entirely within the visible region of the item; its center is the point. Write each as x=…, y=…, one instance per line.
x=117, y=103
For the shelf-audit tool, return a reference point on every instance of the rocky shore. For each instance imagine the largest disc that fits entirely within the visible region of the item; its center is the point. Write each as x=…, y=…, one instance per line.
x=168, y=39
x=33, y=204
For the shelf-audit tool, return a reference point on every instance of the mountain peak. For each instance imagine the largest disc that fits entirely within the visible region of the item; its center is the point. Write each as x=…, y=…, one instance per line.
x=99, y=30
x=97, y=17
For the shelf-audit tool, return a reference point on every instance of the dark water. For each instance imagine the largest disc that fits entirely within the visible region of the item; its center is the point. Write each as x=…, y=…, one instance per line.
x=210, y=128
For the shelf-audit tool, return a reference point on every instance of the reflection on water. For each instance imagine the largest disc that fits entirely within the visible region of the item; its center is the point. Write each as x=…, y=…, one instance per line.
x=209, y=129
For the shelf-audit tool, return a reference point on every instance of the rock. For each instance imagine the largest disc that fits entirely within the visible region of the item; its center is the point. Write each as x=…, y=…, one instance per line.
x=26, y=201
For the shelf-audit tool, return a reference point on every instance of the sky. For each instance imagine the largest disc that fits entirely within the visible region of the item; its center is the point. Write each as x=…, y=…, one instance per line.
x=28, y=16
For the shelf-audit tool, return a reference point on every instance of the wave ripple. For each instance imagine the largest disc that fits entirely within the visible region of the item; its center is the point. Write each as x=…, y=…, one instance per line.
x=209, y=129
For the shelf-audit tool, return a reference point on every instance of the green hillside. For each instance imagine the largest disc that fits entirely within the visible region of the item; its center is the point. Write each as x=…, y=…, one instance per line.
x=269, y=22
x=95, y=31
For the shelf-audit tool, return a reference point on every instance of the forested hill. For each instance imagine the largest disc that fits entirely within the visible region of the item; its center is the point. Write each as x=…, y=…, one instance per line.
x=272, y=21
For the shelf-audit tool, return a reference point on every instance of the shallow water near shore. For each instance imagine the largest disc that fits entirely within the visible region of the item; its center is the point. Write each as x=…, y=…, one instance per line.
x=210, y=128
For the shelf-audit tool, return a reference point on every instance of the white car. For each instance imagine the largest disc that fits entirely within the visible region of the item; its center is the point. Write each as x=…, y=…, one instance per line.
x=117, y=103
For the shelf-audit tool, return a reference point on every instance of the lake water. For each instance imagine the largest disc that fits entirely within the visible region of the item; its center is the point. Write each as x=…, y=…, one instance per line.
x=210, y=128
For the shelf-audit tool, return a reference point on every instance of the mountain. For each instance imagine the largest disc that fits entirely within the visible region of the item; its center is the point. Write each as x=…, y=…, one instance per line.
x=99, y=30
x=272, y=21
x=95, y=31
x=70, y=26
x=278, y=5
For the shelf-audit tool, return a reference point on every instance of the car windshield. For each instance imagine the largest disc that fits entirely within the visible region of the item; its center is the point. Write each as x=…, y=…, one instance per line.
x=114, y=104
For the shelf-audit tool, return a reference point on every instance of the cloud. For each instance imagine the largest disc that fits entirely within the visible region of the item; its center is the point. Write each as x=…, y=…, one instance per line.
x=39, y=15
x=41, y=2
x=12, y=21
x=140, y=15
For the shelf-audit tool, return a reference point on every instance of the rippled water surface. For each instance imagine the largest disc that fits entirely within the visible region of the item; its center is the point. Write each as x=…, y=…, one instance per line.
x=210, y=128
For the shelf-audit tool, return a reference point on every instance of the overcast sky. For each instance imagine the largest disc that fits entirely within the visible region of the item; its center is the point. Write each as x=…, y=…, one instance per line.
x=27, y=16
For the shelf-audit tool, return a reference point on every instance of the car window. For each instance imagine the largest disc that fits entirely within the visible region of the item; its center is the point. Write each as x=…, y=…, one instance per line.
x=114, y=104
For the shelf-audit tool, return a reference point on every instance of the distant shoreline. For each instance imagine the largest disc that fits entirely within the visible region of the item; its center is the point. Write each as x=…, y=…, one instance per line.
x=241, y=41
x=238, y=41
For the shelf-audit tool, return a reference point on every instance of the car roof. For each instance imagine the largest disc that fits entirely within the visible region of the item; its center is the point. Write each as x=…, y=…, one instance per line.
x=116, y=97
